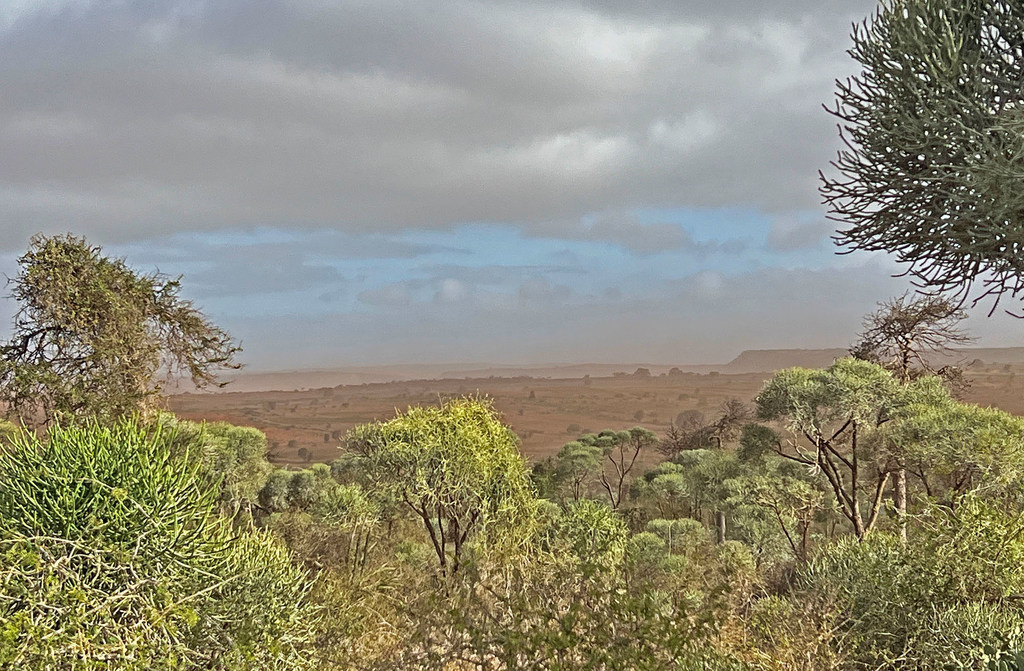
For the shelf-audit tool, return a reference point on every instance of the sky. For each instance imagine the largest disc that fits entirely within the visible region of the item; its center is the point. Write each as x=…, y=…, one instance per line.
x=366, y=182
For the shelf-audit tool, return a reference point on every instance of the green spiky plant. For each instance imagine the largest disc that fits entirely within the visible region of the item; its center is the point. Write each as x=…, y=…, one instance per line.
x=112, y=556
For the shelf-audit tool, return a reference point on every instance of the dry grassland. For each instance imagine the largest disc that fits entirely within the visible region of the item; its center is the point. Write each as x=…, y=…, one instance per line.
x=310, y=425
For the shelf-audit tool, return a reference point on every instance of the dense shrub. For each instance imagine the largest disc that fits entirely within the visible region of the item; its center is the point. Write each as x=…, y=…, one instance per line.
x=113, y=556
x=941, y=599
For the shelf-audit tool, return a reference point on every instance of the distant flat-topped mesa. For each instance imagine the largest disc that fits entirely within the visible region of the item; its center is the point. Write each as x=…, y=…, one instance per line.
x=770, y=360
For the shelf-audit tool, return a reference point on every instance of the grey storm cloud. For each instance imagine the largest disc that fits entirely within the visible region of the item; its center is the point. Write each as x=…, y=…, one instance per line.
x=127, y=120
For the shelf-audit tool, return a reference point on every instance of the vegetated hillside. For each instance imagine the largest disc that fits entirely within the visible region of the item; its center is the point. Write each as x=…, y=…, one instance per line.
x=310, y=424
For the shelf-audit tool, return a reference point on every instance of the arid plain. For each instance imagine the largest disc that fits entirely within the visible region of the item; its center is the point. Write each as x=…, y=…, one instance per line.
x=306, y=417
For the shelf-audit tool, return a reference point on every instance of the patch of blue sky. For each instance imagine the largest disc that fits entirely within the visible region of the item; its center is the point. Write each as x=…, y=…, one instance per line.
x=416, y=264
x=718, y=224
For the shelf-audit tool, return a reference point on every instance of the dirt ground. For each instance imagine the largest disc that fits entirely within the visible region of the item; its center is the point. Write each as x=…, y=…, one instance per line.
x=310, y=425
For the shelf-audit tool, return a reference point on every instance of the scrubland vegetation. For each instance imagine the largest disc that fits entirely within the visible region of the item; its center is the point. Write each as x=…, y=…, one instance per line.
x=430, y=543
x=854, y=517
x=859, y=516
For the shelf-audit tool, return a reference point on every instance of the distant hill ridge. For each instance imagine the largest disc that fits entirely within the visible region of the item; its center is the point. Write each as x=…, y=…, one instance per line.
x=749, y=361
x=770, y=360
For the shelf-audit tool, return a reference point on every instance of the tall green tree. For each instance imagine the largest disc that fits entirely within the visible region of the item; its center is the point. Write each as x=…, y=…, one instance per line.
x=904, y=335
x=622, y=449
x=576, y=464
x=933, y=128
x=835, y=411
x=456, y=466
x=91, y=336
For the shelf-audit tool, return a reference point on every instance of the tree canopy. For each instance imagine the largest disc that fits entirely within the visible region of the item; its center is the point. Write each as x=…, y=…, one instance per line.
x=456, y=466
x=91, y=336
x=934, y=149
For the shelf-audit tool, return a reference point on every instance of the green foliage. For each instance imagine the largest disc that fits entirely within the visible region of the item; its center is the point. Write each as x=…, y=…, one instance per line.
x=940, y=599
x=592, y=533
x=112, y=556
x=621, y=449
x=756, y=441
x=779, y=494
x=960, y=445
x=576, y=465
x=457, y=467
x=91, y=335
x=594, y=599
x=234, y=457
x=812, y=400
x=837, y=411
x=666, y=489
x=683, y=535
x=933, y=130
x=7, y=431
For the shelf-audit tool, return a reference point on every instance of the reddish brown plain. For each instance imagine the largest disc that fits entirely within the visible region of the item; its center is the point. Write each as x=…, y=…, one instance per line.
x=309, y=425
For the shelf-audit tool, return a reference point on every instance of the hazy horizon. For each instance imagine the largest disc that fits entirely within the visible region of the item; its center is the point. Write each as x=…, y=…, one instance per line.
x=506, y=181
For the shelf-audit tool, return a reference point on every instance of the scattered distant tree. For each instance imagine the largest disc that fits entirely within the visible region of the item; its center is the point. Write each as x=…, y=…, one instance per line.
x=622, y=454
x=576, y=464
x=91, y=335
x=934, y=133
x=642, y=372
x=456, y=466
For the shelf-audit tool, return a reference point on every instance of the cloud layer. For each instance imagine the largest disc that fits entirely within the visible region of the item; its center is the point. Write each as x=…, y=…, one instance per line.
x=121, y=119
x=395, y=180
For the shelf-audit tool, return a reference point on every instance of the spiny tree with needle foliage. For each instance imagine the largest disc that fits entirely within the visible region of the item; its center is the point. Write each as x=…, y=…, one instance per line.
x=92, y=336
x=933, y=128
x=904, y=332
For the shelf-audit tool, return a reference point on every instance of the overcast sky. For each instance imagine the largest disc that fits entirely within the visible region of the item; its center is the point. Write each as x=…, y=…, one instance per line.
x=377, y=181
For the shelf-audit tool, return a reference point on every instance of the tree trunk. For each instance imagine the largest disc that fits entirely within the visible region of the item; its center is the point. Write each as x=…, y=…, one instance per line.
x=899, y=497
x=720, y=526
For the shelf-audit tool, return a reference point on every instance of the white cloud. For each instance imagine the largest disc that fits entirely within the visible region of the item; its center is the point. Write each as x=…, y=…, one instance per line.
x=691, y=132
x=451, y=291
